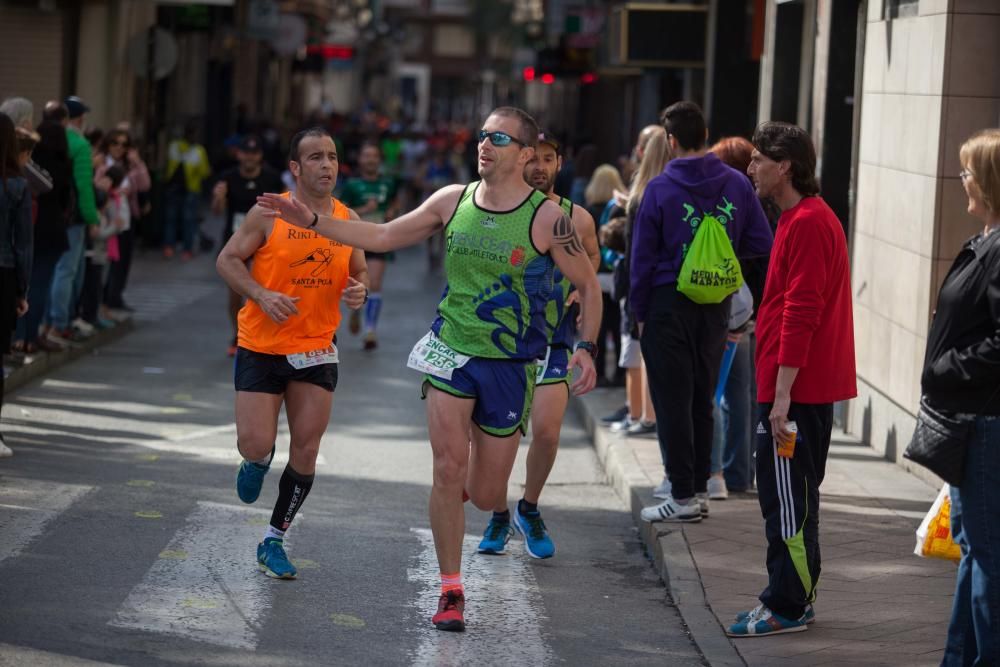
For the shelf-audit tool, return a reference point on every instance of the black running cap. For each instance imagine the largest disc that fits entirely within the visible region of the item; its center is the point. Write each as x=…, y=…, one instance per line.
x=547, y=138
x=75, y=106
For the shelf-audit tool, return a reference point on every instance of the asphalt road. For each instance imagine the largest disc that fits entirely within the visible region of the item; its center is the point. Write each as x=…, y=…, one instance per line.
x=122, y=540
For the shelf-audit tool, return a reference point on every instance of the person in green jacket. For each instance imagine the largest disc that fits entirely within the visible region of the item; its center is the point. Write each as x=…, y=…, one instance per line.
x=187, y=169
x=67, y=280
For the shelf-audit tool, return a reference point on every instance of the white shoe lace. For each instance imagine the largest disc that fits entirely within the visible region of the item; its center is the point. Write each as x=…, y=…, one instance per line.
x=756, y=613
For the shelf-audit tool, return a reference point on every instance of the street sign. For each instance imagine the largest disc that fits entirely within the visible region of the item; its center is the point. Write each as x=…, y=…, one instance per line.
x=163, y=48
x=647, y=35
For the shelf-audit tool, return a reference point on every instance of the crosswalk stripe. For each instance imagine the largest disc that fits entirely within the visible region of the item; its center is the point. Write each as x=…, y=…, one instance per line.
x=205, y=443
x=155, y=301
x=26, y=506
x=504, y=609
x=206, y=585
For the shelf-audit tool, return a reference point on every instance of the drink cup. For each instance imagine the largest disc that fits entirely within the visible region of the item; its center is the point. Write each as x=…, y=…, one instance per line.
x=786, y=444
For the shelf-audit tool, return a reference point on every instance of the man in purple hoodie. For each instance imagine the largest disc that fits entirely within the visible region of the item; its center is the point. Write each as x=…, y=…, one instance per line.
x=683, y=341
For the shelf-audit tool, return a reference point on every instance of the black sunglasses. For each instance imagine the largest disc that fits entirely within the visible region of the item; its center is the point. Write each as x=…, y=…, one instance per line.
x=499, y=139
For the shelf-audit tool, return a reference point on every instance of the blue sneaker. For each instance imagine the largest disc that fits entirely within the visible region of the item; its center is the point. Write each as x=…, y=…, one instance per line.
x=537, y=542
x=495, y=537
x=762, y=621
x=250, y=478
x=273, y=561
x=809, y=617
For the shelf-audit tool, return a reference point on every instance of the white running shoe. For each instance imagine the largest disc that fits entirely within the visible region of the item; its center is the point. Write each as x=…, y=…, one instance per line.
x=673, y=512
x=639, y=428
x=83, y=326
x=703, y=501
x=663, y=490
x=622, y=426
x=717, y=488
x=5, y=451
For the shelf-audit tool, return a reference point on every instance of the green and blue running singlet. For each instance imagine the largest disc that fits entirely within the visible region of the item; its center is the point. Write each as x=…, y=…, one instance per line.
x=498, y=283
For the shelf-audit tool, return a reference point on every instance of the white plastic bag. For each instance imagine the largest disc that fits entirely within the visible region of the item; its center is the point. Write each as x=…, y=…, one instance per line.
x=934, y=534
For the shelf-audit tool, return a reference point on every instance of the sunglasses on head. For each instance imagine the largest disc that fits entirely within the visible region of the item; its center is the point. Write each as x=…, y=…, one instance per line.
x=499, y=139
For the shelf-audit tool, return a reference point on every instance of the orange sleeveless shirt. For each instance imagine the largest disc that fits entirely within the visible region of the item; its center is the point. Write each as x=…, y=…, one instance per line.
x=299, y=263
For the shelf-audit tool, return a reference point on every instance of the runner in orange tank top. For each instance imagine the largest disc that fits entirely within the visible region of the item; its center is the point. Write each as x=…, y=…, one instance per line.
x=287, y=351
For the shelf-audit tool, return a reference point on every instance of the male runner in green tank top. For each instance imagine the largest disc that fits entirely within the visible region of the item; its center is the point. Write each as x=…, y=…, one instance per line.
x=504, y=241
x=548, y=407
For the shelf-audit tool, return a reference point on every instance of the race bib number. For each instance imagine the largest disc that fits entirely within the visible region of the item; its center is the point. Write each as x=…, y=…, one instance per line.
x=327, y=355
x=430, y=355
x=238, y=219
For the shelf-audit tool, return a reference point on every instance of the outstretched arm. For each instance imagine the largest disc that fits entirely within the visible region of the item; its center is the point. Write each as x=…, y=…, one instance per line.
x=404, y=231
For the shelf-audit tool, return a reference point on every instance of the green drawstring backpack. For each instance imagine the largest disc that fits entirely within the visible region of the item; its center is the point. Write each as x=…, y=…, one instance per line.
x=710, y=271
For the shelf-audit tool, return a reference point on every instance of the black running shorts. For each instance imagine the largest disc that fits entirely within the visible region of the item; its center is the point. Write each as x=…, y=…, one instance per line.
x=271, y=373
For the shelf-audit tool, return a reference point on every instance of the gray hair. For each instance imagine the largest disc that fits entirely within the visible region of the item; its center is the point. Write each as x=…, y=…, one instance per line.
x=20, y=110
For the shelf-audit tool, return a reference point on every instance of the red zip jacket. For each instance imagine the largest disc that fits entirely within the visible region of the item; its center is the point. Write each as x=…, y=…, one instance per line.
x=805, y=319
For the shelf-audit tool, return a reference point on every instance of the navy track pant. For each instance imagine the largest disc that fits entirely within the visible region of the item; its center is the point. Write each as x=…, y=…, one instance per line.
x=788, y=492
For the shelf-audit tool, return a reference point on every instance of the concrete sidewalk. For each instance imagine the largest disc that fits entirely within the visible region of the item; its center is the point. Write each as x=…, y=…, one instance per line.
x=21, y=369
x=878, y=604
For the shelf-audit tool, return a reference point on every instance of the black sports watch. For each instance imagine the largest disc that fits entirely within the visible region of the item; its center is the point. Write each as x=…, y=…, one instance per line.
x=587, y=345
x=315, y=220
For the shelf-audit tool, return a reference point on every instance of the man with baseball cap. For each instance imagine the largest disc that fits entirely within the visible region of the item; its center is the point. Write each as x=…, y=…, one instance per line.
x=552, y=382
x=76, y=107
x=67, y=279
x=234, y=194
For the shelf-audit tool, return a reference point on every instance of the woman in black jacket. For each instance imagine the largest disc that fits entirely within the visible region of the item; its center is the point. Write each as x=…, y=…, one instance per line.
x=15, y=242
x=54, y=207
x=961, y=375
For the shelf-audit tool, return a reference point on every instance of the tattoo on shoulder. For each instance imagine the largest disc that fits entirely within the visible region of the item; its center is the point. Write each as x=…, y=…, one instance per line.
x=564, y=234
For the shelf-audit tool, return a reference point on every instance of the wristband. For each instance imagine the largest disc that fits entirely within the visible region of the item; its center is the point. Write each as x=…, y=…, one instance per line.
x=587, y=345
x=315, y=220
x=366, y=297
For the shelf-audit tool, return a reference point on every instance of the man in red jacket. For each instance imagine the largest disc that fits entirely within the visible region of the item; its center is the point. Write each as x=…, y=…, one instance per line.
x=805, y=363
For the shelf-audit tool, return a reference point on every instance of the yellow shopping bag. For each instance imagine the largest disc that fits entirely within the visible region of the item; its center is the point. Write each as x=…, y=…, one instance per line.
x=934, y=534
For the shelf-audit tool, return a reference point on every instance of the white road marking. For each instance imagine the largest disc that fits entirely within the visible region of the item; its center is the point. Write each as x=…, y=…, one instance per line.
x=504, y=609
x=25, y=509
x=214, y=593
x=154, y=301
x=204, y=444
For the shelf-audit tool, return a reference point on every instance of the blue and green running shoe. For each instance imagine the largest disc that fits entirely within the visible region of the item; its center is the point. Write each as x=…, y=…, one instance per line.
x=273, y=561
x=249, y=479
x=495, y=537
x=537, y=542
x=808, y=617
x=762, y=621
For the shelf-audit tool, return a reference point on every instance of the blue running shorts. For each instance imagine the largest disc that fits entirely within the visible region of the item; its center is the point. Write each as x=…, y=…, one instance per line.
x=555, y=367
x=502, y=389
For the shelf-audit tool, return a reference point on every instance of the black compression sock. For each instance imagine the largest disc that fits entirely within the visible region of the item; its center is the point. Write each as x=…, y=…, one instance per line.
x=502, y=517
x=293, y=488
x=523, y=506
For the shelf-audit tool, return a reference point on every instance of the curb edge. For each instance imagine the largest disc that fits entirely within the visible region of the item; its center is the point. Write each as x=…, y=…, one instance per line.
x=667, y=546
